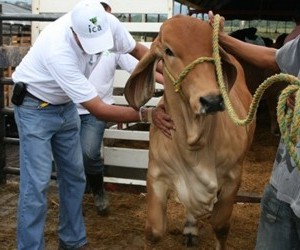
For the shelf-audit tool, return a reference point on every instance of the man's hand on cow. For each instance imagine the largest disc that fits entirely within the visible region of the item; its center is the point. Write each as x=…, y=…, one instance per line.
x=211, y=20
x=162, y=120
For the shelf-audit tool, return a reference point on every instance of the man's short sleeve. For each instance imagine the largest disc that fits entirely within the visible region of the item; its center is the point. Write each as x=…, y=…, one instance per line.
x=288, y=57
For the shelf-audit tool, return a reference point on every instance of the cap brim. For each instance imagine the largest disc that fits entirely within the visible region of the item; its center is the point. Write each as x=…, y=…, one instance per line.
x=98, y=44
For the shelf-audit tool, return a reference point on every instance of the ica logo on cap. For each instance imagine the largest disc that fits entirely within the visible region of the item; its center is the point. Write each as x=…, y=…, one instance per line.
x=96, y=27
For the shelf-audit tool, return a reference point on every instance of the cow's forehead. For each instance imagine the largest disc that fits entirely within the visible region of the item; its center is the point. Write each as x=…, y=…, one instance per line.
x=184, y=26
x=184, y=34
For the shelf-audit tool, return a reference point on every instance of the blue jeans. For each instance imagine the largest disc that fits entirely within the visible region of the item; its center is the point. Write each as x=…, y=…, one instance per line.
x=279, y=227
x=91, y=136
x=45, y=132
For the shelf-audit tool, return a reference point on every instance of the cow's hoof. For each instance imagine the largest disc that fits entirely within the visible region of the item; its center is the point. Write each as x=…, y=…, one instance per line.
x=190, y=240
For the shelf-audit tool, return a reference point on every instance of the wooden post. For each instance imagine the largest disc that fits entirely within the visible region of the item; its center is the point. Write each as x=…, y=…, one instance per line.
x=2, y=118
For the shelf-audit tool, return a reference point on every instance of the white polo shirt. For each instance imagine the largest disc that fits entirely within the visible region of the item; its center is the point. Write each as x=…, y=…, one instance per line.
x=56, y=70
x=103, y=75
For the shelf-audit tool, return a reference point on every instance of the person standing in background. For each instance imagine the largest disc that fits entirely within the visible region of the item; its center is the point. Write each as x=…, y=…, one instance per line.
x=92, y=129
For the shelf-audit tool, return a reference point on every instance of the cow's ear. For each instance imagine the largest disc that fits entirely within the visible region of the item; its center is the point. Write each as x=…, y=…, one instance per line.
x=229, y=69
x=140, y=86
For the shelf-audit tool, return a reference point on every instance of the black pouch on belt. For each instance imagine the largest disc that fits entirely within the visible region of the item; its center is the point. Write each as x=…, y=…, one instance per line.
x=18, y=93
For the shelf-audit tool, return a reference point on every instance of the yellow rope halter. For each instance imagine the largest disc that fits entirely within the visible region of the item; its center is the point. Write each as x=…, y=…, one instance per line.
x=177, y=82
x=289, y=120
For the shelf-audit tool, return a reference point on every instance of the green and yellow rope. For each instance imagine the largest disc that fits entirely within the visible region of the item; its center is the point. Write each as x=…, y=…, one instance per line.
x=288, y=119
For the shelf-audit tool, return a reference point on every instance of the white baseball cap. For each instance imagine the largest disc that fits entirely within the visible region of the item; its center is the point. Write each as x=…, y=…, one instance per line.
x=90, y=23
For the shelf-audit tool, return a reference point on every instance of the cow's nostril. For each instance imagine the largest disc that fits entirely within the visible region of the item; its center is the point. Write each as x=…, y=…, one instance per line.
x=212, y=103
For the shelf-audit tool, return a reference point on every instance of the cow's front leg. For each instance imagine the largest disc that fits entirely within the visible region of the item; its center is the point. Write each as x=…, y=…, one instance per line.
x=156, y=222
x=190, y=231
x=220, y=219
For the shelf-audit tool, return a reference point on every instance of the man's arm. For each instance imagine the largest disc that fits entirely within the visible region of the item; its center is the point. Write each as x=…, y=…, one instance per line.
x=260, y=56
x=139, y=51
x=116, y=113
x=112, y=113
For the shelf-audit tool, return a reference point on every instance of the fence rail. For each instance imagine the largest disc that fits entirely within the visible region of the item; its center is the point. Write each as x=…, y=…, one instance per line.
x=44, y=17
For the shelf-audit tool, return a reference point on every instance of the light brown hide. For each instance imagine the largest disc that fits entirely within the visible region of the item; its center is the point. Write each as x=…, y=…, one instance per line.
x=202, y=163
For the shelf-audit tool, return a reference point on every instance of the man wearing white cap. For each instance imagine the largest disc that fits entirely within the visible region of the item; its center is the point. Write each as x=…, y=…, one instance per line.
x=51, y=78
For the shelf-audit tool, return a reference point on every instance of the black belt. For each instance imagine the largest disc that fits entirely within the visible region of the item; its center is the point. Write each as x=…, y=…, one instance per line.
x=43, y=103
x=32, y=96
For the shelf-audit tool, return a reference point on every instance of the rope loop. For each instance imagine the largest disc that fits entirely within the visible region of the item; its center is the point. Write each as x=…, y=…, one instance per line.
x=288, y=119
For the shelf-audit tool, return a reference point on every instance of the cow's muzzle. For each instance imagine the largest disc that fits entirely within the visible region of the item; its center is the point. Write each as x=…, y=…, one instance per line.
x=212, y=104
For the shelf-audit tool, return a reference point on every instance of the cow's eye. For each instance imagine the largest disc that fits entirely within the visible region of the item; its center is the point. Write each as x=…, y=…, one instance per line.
x=169, y=52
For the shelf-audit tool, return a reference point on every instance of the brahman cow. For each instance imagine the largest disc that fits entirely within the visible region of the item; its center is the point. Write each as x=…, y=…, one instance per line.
x=202, y=163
